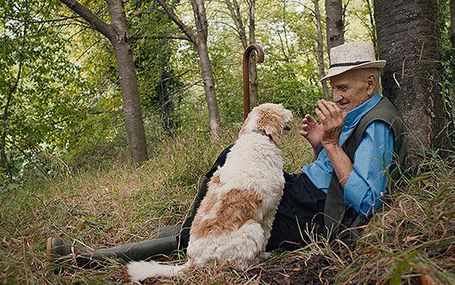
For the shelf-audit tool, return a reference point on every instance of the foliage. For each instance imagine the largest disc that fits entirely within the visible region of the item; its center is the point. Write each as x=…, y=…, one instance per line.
x=67, y=107
x=52, y=95
x=160, y=86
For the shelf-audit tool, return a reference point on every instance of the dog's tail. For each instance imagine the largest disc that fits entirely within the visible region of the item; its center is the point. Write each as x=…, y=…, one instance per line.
x=140, y=270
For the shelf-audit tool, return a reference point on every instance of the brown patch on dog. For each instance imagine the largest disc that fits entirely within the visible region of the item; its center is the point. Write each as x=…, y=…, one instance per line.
x=234, y=210
x=215, y=181
x=206, y=205
x=272, y=122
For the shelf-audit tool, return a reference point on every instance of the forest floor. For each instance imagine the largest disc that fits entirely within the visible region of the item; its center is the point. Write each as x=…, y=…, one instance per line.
x=109, y=203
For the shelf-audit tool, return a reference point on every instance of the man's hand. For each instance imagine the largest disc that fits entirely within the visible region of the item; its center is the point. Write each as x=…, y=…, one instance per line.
x=312, y=132
x=332, y=119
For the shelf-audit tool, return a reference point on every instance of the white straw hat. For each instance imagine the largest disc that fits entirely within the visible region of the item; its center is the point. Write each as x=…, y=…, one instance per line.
x=351, y=56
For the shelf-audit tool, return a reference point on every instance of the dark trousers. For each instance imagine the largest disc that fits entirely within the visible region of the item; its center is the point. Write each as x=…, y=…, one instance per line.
x=299, y=214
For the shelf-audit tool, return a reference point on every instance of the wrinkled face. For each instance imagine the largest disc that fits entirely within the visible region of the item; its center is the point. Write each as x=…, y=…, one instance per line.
x=351, y=88
x=273, y=119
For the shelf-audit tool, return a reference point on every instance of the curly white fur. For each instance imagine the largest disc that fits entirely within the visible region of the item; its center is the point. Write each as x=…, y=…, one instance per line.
x=235, y=218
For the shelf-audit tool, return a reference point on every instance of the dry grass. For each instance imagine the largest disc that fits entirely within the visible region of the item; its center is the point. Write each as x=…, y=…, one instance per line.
x=415, y=239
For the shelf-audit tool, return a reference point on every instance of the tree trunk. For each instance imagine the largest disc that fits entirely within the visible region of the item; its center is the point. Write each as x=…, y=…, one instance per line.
x=209, y=88
x=206, y=66
x=131, y=104
x=408, y=40
x=199, y=39
x=452, y=39
x=117, y=32
x=128, y=83
x=319, y=46
x=254, y=93
x=334, y=23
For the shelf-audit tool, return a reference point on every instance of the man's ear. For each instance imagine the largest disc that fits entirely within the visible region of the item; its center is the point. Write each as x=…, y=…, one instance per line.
x=372, y=84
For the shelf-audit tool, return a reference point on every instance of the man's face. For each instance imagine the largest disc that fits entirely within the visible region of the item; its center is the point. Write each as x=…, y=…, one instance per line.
x=350, y=89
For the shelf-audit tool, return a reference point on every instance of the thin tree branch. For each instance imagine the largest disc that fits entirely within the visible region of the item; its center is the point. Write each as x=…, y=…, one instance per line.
x=236, y=16
x=90, y=17
x=85, y=51
x=55, y=20
x=161, y=37
x=184, y=28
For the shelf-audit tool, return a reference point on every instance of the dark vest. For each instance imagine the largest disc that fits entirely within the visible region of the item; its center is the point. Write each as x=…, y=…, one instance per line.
x=340, y=221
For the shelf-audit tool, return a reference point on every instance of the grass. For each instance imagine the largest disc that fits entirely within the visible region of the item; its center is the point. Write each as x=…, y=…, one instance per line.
x=413, y=240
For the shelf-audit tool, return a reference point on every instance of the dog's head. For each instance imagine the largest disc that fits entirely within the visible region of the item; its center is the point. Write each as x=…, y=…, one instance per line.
x=273, y=119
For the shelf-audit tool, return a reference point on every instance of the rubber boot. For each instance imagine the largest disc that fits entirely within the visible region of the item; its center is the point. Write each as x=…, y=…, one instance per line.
x=129, y=252
x=59, y=251
x=167, y=231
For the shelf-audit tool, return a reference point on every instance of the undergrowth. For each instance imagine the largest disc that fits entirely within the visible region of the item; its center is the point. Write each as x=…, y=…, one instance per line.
x=410, y=242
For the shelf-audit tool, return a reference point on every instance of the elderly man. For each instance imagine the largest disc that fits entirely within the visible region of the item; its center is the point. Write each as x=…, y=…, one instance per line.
x=359, y=139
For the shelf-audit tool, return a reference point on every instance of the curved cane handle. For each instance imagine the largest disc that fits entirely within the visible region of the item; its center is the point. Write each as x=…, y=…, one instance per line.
x=246, y=74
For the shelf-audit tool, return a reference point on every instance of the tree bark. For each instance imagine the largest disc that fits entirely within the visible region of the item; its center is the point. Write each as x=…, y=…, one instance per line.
x=408, y=40
x=452, y=39
x=128, y=83
x=199, y=39
x=117, y=32
x=206, y=66
x=334, y=23
x=319, y=46
x=254, y=88
x=209, y=88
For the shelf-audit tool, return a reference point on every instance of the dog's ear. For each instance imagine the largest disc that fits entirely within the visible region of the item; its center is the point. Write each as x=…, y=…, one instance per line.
x=272, y=122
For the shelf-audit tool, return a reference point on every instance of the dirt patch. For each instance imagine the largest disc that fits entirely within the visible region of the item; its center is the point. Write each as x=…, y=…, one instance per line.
x=296, y=270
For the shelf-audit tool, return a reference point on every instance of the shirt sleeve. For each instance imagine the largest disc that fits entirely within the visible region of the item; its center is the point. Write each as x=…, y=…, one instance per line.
x=367, y=181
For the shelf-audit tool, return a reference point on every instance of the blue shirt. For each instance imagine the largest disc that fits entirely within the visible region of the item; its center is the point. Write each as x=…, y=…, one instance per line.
x=368, y=179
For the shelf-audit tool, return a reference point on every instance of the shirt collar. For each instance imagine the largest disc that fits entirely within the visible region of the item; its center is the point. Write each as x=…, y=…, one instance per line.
x=353, y=117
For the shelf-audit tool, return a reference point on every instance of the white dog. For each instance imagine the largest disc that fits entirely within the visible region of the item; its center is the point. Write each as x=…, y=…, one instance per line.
x=234, y=220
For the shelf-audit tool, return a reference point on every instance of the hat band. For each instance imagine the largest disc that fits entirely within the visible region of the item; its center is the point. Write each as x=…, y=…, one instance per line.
x=348, y=63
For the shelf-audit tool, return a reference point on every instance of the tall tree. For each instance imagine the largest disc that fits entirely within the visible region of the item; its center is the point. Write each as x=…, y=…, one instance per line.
x=334, y=23
x=117, y=33
x=235, y=12
x=412, y=73
x=319, y=46
x=452, y=39
x=199, y=39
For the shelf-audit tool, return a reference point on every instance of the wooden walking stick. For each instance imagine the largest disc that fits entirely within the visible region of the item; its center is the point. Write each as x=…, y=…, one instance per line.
x=246, y=75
